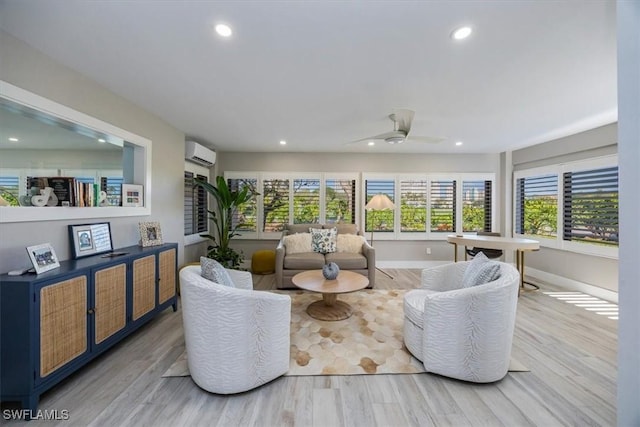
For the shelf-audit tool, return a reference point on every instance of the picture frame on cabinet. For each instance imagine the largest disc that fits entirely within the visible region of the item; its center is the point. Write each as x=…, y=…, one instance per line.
x=132, y=195
x=150, y=233
x=90, y=239
x=43, y=257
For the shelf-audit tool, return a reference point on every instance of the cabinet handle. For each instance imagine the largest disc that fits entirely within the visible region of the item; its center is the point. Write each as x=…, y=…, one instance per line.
x=91, y=311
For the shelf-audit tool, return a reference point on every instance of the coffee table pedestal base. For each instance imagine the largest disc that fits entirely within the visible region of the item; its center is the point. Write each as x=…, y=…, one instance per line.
x=329, y=309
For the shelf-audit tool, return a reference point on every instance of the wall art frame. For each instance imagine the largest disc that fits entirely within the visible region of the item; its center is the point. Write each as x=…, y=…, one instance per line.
x=90, y=239
x=43, y=257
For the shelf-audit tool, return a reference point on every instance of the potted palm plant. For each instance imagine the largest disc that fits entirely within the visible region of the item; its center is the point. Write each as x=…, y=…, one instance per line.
x=227, y=203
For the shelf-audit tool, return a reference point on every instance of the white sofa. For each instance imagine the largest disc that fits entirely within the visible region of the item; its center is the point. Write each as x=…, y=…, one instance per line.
x=236, y=338
x=463, y=333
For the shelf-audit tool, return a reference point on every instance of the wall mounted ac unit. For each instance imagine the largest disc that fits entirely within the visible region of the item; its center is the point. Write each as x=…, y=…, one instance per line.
x=198, y=153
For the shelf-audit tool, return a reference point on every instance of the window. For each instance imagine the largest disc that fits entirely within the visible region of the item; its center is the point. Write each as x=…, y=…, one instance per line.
x=196, y=203
x=571, y=206
x=591, y=206
x=245, y=218
x=10, y=189
x=381, y=221
x=306, y=201
x=413, y=205
x=537, y=205
x=476, y=206
x=275, y=205
x=340, y=201
x=443, y=206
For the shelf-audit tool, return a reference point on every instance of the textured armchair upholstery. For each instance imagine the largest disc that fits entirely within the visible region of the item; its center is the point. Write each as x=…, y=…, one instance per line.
x=463, y=333
x=236, y=338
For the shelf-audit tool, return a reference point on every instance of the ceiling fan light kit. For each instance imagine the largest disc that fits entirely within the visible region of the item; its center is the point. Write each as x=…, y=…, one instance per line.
x=401, y=119
x=395, y=140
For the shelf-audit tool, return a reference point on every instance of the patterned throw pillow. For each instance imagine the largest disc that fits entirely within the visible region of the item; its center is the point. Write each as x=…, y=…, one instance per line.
x=350, y=243
x=480, y=271
x=212, y=270
x=323, y=241
x=297, y=243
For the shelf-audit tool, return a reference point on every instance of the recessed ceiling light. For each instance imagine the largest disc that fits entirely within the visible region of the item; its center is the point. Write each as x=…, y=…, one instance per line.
x=371, y=143
x=459, y=143
x=13, y=139
x=223, y=30
x=461, y=33
x=101, y=140
x=283, y=142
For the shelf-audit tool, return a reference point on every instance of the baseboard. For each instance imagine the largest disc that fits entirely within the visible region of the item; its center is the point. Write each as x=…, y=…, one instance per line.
x=571, y=284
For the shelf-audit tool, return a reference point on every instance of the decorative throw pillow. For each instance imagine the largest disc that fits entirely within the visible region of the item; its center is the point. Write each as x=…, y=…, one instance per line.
x=479, y=271
x=350, y=243
x=297, y=243
x=212, y=270
x=323, y=241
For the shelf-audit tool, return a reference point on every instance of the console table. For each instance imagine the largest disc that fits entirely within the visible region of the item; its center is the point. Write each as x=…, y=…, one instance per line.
x=53, y=323
x=517, y=244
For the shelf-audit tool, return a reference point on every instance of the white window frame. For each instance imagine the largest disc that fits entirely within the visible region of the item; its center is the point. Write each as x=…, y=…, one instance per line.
x=559, y=169
x=192, y=239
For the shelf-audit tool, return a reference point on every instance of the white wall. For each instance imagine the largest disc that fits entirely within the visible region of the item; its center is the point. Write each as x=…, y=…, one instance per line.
x=592, y=270
x=386, y=251
x=629, y=114
x=29, y=69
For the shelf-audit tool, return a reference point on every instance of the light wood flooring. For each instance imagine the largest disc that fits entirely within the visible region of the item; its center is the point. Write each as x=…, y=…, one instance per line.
x=571, y=353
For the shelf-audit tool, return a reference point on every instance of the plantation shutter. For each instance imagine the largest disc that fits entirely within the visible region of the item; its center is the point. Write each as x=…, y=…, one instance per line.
x=200, y=207
x=476, y=206
x=275, y=196
x=536, y=205
x=413, y=205
x=443, y=206
x=245, y=217
x=340, y=201
x=379, y=220
x=113, y=187
x=306, y=201
x=189, y=203
x=591, y=206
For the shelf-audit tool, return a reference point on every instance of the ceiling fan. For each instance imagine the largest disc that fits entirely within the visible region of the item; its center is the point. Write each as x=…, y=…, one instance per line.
x=402, y=119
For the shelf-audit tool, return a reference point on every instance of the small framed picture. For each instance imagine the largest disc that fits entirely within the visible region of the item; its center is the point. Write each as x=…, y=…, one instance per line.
x=150, y=234
x=43, y=257
x=90, y=239
x=132, y=195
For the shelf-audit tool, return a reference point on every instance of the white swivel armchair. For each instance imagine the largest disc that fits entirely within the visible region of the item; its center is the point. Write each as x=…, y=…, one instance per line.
x=463, y=333
x=236, y=338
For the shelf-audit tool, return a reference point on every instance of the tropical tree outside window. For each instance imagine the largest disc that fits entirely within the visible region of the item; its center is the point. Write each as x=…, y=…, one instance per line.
x=246, y=217
x=379, y=221
x=536, y=204
x=413, y=205
x=443, y=206
x=306, y=201
x=340, y=201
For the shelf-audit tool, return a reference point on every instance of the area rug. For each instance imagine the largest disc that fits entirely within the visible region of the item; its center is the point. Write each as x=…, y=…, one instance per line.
x=369, y=342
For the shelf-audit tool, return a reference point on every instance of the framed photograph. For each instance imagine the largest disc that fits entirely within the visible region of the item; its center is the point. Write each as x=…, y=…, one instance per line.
x=90, y=239
x=150, y=234
x=132, y=195
x=43, y=257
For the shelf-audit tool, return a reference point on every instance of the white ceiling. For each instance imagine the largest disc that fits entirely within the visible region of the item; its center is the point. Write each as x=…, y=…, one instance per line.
x=321, y=74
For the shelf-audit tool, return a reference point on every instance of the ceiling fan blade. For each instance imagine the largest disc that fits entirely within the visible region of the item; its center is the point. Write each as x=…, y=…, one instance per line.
x=425, y=139
x=382, y=136
x=403, y=118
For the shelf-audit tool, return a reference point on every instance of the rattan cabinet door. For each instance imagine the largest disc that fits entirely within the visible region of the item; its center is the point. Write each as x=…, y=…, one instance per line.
x=63, y=323
x=110, y=300
x=167, y=279
x=144, y=286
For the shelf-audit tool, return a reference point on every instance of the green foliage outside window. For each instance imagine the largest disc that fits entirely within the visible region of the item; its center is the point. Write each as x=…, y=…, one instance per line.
x=540, y=217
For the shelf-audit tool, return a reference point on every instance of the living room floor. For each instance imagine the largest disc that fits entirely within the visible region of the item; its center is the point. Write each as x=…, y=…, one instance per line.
x=571, y=354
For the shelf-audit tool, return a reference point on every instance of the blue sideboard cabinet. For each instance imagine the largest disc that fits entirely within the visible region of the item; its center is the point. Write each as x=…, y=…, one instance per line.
x=55, y=322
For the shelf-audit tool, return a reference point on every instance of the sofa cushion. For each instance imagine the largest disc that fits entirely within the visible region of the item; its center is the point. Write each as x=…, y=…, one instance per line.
x=347, y=261
x=344, y=228
x=212, y=270
x=300, y=228
x=297, y=243
x=304, y=261
x=323, y=241
x=480, y=271
x=350, y=243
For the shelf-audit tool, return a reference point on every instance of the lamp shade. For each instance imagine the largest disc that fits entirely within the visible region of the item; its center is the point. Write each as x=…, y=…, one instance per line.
x=379, y=202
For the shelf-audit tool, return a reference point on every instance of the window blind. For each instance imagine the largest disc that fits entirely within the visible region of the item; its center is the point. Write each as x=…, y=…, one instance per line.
x=443, y=206
x=413, y=205
x=379, y=220
x=246, y=217
x=537, y=205
x=275, y=197
x=306, y=201
x=340, y=201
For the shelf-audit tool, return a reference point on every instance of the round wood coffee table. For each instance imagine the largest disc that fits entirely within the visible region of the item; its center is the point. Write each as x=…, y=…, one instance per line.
x=329, y=308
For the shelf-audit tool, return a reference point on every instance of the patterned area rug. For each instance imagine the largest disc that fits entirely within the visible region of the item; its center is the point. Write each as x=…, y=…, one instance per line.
x=369, y=342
